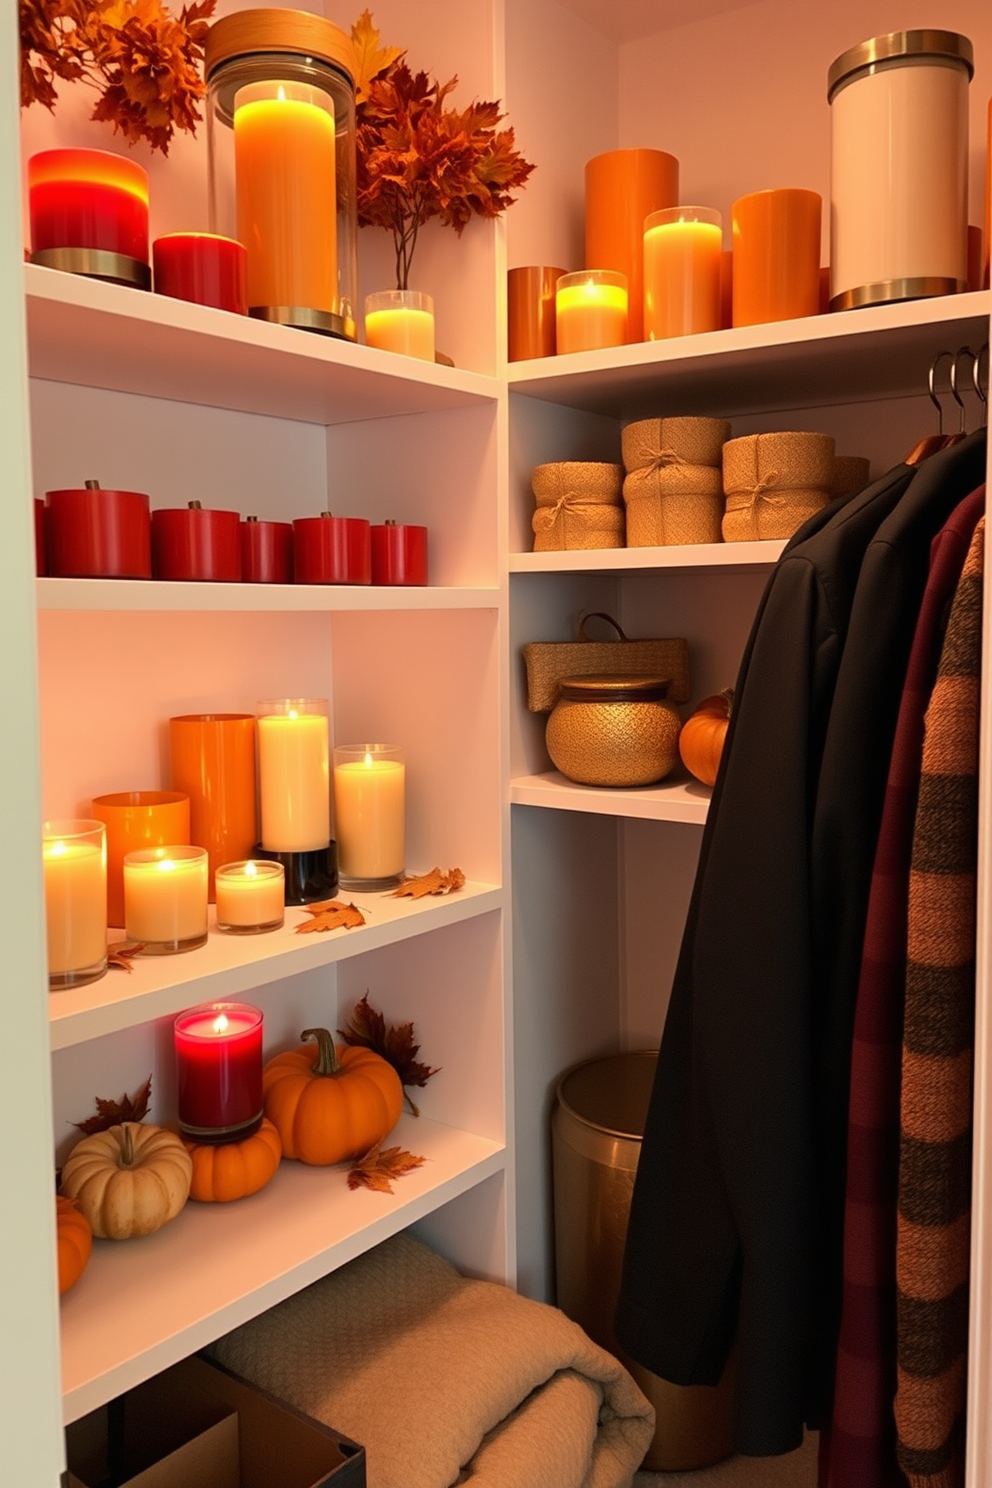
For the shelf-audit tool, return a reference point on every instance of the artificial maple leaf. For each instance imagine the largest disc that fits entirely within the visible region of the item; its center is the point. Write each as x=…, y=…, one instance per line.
x=380, y=1166
x=434, y=882
x=370, y=58
x=112, y=1113
x=393, y=1041
x=121, y=954
x=331, y=914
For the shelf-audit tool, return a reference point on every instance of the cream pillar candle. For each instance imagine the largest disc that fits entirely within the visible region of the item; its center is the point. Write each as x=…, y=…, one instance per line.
x=74, y=854
x=682, y=252
x=294, y=775
x=165, y=898
x=369, y=814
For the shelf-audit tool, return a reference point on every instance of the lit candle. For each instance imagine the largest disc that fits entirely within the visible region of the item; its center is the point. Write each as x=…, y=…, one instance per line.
x=369, y=814
x=590, y=310
x=89, y=213
x=250, y=896
x=165, y=898
x=75, y=864
x=286, y=194
x=294, y=775
x=219, y=1068
x=401, y=320
x=683, y=247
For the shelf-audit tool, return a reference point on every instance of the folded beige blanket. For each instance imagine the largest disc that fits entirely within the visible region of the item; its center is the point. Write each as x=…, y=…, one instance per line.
x=447, y=1380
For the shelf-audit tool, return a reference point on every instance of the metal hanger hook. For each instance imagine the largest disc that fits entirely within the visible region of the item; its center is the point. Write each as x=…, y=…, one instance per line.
x=976, y=377
x=961, y=352
x=931, y=381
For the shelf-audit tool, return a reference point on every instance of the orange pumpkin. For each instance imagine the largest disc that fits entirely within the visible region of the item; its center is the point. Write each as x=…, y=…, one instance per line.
x=330, y=1103
x=225, y=1171
x=75, y=1242
x=703, y=733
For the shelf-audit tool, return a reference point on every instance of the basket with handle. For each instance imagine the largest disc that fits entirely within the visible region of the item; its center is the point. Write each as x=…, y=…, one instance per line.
x=549, y=662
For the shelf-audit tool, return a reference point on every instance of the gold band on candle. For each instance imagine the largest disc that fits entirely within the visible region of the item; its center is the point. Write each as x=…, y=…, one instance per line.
x=96, y=263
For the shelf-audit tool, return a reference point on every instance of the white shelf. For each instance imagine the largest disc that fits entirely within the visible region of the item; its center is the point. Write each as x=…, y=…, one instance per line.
x=99, y=335
x=141, y=1305
x=880, y=351
x=160, y=595
x=231, y=965
x=680, y=800
x=685, y=556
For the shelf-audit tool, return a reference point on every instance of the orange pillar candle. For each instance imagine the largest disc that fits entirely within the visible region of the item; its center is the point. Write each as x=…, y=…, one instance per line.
x=682, y=252
x=590, y=310
x=286, y=198
x=530, y=312
x=622, y=188
x=776, y=237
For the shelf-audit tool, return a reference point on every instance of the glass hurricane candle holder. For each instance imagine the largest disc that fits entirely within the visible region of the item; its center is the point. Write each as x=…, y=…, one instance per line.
x=590, y=310
x=683, y=249
x=281, y=143
x=74, y=854
x=218, y=1050
x=251, y=897
x=401, y=320
x=165, y=899
x=370, y=815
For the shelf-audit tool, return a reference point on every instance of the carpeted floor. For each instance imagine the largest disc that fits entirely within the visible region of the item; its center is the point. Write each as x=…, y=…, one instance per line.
x=795, y=1470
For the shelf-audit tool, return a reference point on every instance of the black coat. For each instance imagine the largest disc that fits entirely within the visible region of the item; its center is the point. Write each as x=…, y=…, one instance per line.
x=732, y=1231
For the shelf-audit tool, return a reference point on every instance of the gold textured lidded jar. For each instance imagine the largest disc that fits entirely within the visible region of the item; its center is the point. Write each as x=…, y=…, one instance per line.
x=281, y=148
x=899, y=168
x=613, y=730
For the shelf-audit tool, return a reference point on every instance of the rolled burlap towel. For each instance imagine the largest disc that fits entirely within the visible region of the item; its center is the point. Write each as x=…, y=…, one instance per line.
x=579, y=505
x=774, y=482
x=670, y=442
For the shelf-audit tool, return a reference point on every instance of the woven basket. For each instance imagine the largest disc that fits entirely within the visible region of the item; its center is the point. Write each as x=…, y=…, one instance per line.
x=851, y=473
x=548, y=663
x=774, y=482
x=579, y=505
x=657, y=443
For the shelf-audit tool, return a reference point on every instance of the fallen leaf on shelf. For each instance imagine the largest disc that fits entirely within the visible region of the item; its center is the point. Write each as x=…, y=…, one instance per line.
x=393, y=1041
x=331, y=914
x=380, y=1166
x=121, y=954
x=434, y=882
x=113, y=1113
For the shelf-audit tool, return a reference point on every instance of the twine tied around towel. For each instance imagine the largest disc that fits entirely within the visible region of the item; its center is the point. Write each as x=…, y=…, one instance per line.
x=572, y=502
x=660, y=459
x=747, y=498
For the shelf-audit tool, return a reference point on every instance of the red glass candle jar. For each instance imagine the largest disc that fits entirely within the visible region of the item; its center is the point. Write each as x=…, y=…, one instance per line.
x=266, y=552
x=98, y=534
x=399, y=554
x=219, y=1068
x=202, y=267
x=189, y=543
x=89, y=215
x=332, y=550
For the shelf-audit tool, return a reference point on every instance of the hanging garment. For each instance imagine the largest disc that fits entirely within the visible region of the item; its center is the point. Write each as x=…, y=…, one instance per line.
x=859, y=1446
x=934, y=1229
x=724, y=1239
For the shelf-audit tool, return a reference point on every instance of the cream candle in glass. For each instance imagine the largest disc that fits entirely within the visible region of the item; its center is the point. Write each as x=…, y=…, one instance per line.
x=370, y=815
x=165, y=899
x=74, y=855
x=590, y=310
x=401, y=320
x=294, y=774
x=682, y=254
x=251, y=896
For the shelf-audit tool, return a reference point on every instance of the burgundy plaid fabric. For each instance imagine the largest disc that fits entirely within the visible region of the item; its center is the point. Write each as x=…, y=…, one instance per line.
x=859, y=1447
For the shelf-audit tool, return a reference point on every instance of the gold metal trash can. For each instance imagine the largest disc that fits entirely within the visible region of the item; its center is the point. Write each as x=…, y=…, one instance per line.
x=597, y=1126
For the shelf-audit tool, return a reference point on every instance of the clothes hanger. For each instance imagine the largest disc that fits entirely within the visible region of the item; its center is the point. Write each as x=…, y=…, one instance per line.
x=931, y=443
x=976, y=377
x=962, y=426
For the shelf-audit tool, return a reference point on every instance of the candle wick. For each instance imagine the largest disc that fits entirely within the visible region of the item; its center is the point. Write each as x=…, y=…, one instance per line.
x=195, y=505
x=92, y=485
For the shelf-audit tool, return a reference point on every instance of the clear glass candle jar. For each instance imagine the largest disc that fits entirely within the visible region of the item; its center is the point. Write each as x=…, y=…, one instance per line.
x=281, y=145
x=75, y=861
x=370, y=815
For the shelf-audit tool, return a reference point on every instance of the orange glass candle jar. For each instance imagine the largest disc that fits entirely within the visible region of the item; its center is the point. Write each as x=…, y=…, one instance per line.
x=622, y=188
x=213, y=763
x=137, y=820
x=530, y=312
x=591, y=310
x=683, y=248
x=776, y=245
x=89, y=215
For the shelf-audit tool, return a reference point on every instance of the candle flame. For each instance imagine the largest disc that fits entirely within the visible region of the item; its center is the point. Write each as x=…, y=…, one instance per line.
x=165, y=865
x=281, y=95
x=250, y=870
x=55, y=850
x=221, y=1024
x=368, y=760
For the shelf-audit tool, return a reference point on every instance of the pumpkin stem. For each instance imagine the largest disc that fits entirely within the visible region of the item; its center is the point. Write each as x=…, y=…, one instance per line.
x=127, y=1145
x=327, y=1059
x=728, y=694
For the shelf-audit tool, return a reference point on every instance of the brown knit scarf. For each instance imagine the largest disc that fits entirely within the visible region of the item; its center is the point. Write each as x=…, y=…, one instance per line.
x=934, y=1220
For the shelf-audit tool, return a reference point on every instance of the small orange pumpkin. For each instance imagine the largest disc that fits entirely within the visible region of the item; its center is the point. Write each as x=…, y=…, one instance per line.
x=330, y=1103
x=232, y=1170
x=75, y=1242
x=703, y=733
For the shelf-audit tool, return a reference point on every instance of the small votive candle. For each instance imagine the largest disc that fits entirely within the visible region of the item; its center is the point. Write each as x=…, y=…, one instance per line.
x=590, y=310
x=74, y=853
x=251, y=897
x=89, y=215
x=683, y=247
x=401, y=320
x=165, y=899
x=370, y=815
x=219, y=1071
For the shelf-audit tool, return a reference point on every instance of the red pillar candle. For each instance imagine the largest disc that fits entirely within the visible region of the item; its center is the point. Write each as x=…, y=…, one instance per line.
x=99, y=534
x=202, y=267
x=219, y=1067
x=191, y=544
x=89, y=214
x=40, y=544
x=266, y=552
x=399, y=554
x=332, y=550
